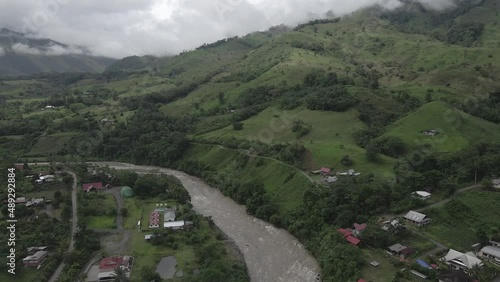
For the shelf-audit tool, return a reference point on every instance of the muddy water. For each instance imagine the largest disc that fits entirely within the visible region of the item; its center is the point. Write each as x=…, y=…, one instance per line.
x=271, y=254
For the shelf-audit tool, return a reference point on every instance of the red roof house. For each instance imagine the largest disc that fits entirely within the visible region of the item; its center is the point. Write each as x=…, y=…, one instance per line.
x=348, y=236
x=359, y=227
x=325, y=170
x=92, y=186
x=344, y=232
x=361, y=280
x=110, y=263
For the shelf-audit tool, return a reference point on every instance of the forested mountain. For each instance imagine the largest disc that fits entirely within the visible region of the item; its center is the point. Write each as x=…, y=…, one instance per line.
x=409, y=98
x=20, y=55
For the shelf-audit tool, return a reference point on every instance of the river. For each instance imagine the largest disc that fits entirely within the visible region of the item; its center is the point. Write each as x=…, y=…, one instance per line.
x=271, y=254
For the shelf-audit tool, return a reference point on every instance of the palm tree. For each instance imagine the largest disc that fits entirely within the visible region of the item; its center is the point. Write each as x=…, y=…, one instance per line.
x=120, y=275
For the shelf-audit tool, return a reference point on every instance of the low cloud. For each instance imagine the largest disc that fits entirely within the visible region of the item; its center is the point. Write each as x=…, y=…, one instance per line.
x=51, y=50
x=118, y=28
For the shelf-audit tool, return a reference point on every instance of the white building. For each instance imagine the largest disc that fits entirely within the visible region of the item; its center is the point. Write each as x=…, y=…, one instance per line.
x=422, y=195
x=417, y=218
x=492, y=253
x=174, y=224
x=460, y=261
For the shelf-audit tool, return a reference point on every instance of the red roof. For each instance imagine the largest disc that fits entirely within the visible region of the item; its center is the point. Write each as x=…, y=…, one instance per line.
x=88, y=186
x=344, y=232
x=360, y=227
x=19, y=167
x=325, y=170
x=361, y=280
x=110, y=263
x=353, y=240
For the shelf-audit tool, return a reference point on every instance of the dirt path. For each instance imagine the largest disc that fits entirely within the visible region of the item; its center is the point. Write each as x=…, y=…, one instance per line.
x=249, y=153
x=119, y=205
x=74, y=226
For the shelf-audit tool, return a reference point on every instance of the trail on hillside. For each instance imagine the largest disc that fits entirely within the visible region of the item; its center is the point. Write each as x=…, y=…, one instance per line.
x=250, y=154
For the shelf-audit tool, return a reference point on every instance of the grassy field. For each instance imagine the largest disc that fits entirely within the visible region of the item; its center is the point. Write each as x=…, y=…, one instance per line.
x=329, y=140
x=456, y=129
x=50, y=144
x=458, y=229
x=105, y=202
x=386, y=270
x=284, y=184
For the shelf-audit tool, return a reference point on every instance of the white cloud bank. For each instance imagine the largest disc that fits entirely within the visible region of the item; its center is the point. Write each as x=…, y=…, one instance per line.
x=119, y=28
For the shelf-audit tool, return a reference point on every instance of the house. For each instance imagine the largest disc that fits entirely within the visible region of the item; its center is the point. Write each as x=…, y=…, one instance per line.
x=350, y=172
x=417, y=218
x=423, y=195
x=36, y=259
x=491, y=253
x=106, y=276
x=175, y=225
x=460, y=261
x=169, y=215
x=111, y=263
x=33, y=250
x=92, y=187
x=400, y=250
x=325, y=170
x=455, y=276
x=50, y=107
x=361, y=280
x=331, y=179
x=148, y=237
x=431, y=132
x=34, y=202
x=19, y=167
x=358, y=229
x=348, y=236
x=154, y=220
x=496, y=183
x=393, y=225
x=495, y=242
x=21, y=200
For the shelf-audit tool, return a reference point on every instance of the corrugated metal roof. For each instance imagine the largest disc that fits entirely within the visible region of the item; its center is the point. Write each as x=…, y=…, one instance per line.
x=492, y=251
x=415, y=216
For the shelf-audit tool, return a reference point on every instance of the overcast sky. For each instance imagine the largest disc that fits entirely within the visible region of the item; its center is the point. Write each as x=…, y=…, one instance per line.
x=119, y=28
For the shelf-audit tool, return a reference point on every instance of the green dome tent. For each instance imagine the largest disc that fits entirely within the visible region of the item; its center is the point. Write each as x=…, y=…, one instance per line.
x=126, y=192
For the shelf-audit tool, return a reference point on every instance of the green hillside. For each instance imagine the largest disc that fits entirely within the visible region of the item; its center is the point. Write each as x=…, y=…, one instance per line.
x=255, y=115
x=456, y=129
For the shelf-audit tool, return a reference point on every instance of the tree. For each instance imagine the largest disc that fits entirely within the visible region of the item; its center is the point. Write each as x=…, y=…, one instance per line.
x=221, y=98
x=237, y=126
x=372, y=152
x=346, y=160
x=149, y=275
x=120, y=275
x=428, y=97
x=66, y=213
x=487, y=184
x=124, y=212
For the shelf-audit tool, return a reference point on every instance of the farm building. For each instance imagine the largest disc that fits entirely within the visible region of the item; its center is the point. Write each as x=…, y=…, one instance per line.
x=423, y=195
x=460, y=261
x=36, y=259
x=492, y=253
x=417, y=218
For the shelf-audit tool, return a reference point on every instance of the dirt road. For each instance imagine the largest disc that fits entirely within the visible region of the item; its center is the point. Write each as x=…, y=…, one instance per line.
x=74, y=226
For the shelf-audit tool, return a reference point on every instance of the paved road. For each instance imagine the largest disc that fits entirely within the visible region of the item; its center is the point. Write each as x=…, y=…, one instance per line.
x=74, y=223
